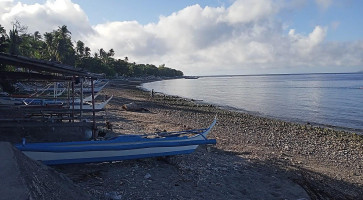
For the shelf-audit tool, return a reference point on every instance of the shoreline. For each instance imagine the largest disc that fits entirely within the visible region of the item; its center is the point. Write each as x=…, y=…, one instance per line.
x=255, y=157
x=241, y=110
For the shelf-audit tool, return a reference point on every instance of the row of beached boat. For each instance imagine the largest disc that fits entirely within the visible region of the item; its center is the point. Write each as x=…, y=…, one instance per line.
x=36, y=102
x=31, y=96
x=59, y=88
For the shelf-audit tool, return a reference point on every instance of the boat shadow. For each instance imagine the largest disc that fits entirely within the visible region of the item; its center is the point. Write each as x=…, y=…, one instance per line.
x=209, y=173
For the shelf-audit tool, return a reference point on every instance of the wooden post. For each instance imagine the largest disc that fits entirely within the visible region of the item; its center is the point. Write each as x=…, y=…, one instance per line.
x=69, y=98
x=93, y=110
x=55, y=90
x=81, y=103
x=73, y=100
x=68, y=94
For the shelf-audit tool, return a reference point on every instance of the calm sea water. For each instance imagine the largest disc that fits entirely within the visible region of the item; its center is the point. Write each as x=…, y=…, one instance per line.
x=327, y=99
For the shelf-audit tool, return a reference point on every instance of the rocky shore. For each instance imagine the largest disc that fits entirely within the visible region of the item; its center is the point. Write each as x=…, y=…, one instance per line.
x=255, y=157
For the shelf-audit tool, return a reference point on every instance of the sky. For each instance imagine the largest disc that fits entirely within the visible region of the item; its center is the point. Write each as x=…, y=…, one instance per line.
x=209, y=37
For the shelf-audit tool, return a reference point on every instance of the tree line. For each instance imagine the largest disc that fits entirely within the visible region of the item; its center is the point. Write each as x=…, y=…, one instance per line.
x=58, y=46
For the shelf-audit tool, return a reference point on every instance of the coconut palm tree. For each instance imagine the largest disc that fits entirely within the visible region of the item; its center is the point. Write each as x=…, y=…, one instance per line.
x=64, y=33
x=37, y=36
x=14, y=41
x=111, y=53
x=80, y=49
x=65, y=52
x=87, y=51
x=50, y=46
x=4, y=39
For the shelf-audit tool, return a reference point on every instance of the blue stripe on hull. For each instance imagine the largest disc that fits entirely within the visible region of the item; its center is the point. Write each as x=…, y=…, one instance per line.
x=115, y=158
x=118, y=147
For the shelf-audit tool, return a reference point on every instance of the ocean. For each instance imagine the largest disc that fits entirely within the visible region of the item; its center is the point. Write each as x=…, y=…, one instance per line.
x=322, y=99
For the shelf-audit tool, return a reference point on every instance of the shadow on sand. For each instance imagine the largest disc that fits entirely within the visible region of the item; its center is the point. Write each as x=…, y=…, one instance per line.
x=208, y=173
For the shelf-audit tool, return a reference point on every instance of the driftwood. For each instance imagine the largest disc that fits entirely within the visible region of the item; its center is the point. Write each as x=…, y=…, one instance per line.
x=134, y=107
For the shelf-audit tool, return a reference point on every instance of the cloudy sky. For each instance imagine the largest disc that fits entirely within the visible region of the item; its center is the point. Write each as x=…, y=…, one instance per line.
x=209, y=37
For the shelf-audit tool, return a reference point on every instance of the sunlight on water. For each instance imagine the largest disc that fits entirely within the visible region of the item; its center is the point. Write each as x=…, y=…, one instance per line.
x=331, y=99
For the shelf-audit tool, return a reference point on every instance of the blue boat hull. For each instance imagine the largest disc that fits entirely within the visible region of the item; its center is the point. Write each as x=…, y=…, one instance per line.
x=124, y=147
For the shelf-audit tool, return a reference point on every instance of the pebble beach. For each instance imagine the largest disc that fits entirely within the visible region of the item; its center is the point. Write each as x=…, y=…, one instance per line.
x=254, y=158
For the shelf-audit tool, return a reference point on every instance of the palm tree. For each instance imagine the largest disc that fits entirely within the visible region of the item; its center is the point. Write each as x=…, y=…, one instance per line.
x=3, y=39
x=14, y=40
x=64, y=33
x=111, y=53
x=87, y=51
x=37, y=36
x=50, y=45
x=35, y=45
x=102, y=53
x=65, y=52
x=2, y=30
x=80, y=49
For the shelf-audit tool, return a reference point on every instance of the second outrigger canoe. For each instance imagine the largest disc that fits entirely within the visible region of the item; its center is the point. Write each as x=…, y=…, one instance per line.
x=123, y=147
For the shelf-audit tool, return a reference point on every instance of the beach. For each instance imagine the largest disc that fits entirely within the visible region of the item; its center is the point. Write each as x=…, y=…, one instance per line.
x=255, y=157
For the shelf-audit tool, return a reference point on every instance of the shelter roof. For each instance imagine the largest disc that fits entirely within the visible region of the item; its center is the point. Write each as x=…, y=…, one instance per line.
x=43, y=66
x=30, y=76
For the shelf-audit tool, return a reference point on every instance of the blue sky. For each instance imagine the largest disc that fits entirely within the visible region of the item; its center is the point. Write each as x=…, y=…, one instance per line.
x=209, y=37
x=143, y=11
x=346, y=14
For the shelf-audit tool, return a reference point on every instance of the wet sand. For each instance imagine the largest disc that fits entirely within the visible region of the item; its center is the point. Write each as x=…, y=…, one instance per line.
x=255, y=157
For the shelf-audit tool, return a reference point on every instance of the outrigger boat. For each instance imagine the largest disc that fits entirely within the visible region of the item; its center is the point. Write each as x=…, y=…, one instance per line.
x=60, y=89
x=88, y=105
x=36, y=102
x=123, y=147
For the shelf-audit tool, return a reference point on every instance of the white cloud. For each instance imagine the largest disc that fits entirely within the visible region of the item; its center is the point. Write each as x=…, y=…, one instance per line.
x=246, y=37
x=250, y=10
x=5, y=5
x=127, y=38
x=305, y=44
x=46, y=17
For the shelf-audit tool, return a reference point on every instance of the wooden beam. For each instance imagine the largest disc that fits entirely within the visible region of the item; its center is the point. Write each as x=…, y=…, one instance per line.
x=43, y=66
x=29, y=76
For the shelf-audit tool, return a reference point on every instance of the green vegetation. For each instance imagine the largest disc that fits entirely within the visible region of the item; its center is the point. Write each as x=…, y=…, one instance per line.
x=58, y=46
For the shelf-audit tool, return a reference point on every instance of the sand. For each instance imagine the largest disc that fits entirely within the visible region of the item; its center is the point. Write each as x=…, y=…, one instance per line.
x=255, y=157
